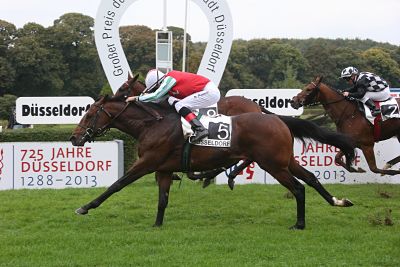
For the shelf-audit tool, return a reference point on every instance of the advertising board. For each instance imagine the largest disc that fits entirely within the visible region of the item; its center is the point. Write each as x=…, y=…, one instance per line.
x=274, y=100
x=36, y=165
x=52, y=110
x=320, y=159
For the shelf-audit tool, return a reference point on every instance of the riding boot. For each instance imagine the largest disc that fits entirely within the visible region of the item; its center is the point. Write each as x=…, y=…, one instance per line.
x=199, y=130
x=374, y=110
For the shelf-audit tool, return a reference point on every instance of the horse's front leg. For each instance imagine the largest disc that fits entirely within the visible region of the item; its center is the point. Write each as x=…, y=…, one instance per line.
x=348, y=167
x=164, y=183
x=139, y=168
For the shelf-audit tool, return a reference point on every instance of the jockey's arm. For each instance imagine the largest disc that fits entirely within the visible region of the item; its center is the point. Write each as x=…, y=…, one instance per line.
x=164, y=88
x=360, y=88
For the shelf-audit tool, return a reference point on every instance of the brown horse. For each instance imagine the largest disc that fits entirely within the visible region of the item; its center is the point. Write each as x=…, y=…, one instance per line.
x=161, y=144
x=351, y=121
x=301, y=129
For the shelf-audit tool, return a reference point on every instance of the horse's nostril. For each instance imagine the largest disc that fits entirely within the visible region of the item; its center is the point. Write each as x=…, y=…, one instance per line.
x=73, y=140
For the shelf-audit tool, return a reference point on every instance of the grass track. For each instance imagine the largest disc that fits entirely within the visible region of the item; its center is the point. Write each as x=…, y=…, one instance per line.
x=202, y=227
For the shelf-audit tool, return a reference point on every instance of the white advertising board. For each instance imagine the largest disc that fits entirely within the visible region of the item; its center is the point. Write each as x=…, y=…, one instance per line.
x=26, y=165
x=274, y=100
x=52, y=110
x=320, y=160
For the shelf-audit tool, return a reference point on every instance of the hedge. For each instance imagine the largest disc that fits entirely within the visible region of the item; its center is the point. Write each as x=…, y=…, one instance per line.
x=62, y=134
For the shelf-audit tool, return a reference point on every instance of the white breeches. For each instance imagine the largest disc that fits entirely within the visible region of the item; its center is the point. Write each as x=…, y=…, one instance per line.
x=207, y=97
x=376, y=96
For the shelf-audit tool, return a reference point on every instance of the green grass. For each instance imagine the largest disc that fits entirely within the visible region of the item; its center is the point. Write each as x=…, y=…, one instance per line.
x=203, y=227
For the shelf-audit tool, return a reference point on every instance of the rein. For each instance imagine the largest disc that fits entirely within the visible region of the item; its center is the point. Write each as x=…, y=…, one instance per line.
x=316, y=86
x=337, y=121
x=150, y=111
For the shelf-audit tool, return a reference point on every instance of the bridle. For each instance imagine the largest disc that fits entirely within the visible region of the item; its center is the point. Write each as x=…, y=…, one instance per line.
x=313, y=95
x=90, y=133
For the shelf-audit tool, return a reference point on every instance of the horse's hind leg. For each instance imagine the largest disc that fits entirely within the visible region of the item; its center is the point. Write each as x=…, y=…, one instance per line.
x=310, y=179
x=164, y=183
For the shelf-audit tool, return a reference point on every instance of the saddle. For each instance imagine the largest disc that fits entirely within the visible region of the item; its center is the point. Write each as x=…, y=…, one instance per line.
x=389, y=109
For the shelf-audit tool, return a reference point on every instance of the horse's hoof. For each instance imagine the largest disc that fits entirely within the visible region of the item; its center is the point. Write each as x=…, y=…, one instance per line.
x=157, y=225
x=175, y=177
x=347, y=203
x=297, y=227
x=231, y=183
x=81, y=211
x=387, y=166
x=206, y=183
x=360, y=170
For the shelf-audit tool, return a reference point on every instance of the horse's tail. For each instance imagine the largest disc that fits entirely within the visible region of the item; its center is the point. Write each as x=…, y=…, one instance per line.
x=303, y=129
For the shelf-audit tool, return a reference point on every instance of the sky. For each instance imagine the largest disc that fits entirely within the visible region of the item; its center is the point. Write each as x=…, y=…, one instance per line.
x=378, y=20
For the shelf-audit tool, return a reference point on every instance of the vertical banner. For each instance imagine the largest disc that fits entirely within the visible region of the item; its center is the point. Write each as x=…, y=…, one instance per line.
x=220, y=39
x=112, y=56
x=108, y=44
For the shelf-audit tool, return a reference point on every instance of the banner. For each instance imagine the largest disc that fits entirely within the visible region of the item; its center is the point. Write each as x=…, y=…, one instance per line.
x=112, y=56
x=320, y=159
x=26, y=165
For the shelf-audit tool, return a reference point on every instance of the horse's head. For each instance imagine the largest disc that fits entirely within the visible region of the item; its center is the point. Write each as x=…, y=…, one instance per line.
x=94, y=123
x=130, y=88
x=309, y=95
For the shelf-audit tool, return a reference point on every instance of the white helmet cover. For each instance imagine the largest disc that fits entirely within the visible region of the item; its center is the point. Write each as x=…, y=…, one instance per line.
x=347, y=72
x=152, y=77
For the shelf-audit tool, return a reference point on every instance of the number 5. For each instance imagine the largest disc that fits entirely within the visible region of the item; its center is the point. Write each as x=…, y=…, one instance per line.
x=223, y=128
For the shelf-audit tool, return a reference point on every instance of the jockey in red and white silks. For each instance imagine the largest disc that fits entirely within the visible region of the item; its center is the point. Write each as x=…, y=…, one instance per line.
x=187, y=91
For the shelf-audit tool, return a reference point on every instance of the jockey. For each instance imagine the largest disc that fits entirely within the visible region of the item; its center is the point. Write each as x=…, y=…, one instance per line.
x=366, y=88
x=187, y=91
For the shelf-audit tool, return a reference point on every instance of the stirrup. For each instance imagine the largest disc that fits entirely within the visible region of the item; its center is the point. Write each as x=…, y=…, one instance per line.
x=375, y=112
x=199, y=136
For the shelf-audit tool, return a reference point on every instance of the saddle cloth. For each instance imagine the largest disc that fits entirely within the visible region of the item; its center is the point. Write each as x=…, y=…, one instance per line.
x=389, y=109
x=219, y=128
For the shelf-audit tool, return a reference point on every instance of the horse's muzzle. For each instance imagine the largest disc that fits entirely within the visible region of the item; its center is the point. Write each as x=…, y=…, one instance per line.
x=77, y=141
x=295, y=104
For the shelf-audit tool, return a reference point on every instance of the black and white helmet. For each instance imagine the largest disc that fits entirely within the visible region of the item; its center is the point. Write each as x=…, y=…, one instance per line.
x=347, y=72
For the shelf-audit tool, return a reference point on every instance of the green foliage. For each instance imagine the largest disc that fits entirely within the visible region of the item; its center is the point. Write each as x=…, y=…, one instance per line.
x=202, y=227
x=380, y=61
x=62, y=59
x=7, y=102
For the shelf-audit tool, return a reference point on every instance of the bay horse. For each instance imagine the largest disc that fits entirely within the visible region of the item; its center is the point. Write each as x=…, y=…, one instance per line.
x=160, y=147
x=351, y=121
x=300, y=129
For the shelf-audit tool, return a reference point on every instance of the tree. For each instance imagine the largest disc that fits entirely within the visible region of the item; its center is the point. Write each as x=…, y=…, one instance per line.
x=7, y=72
x=7, y=102
x=380, y=62
x=138, y=43
x=72, y=36
x=38, y=67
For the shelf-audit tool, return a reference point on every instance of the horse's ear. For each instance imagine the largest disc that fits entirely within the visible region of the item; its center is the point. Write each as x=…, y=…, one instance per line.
x=129, y=76
x=136, y=77
x=319, y=79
